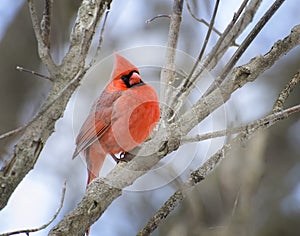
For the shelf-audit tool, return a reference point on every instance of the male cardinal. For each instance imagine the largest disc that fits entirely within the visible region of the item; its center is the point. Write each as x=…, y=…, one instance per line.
x=122, y=117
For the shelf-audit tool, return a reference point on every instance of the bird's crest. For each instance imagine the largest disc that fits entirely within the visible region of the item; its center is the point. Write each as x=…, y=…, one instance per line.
x=122, y=67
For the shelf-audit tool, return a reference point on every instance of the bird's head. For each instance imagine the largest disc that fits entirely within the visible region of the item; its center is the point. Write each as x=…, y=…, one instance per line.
x=125, y=75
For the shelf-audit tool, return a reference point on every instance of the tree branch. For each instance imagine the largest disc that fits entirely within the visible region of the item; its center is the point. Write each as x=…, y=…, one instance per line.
x=233, y=30
x=202, y=20
x=156, y=17
x=237, y=78
x=200, y=174
x=162, y=213
x=27, y=231
x=88, y=17
x=168, y=72
x=99, y=47
x=21, y=69
x=11, y=132
x=186, y=82
x=43, y=49
x=246, y=132
x=36, y=133
x=46, y=22
x=210, y=27
x=245, y=44
x=103, y=191
x=278, y=106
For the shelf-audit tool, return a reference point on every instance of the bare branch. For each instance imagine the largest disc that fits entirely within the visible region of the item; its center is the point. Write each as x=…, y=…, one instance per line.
x=27, y=231
x=12, y=132
x=21, y=69
x=210, y=27
x=247, y=41
x=253, y=128
x=162, y=213
x=236, y=201
x=200, y=174
x=46, y=22
x=101, y=34
x=168, y=72
x=36, y=133
x=246, y=132
x=31, y=142
x=43, y=49
x=204, y=22
x=99, y=47
x=187, y=80
x=278, y=106
x=232, y=31
x=237, y=25
x=156, y=17
x=42, y=111
x=238, y=78
x=215, y=134
x=88, y=17
x=102, y=191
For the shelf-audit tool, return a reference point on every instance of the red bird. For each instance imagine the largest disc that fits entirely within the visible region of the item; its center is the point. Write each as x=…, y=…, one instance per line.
x=122, y=117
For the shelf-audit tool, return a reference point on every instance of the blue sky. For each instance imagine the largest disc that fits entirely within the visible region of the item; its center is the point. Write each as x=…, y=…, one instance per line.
x=7, y=13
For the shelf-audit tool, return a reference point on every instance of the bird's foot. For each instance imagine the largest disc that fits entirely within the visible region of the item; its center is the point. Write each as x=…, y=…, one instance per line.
x=124, y=156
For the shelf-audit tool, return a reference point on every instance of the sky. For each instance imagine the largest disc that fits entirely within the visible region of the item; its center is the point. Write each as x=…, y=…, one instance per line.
x=7, y=13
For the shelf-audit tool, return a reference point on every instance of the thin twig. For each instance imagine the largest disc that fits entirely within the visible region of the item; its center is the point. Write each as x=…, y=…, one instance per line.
x=188, y=6
x=35, y=21
x=27, y=231
x=210, y=135
x=278, y=106
x=12, y=132
x=200, y=174
x=102, y=33
x=162, y=213
x=59, y=94
x=236, y=201
x=237, y=79
x=210, y=27
x=187, y=85
x=43, y=49
x=46, y=22
x=168, y=72
x=21, y=69
x=156, y=17
x=246, y=132
x=99, y=47
x=221, y=133
x=245, y=44
x=211, y=24
x=205, y=22
x=41, y=112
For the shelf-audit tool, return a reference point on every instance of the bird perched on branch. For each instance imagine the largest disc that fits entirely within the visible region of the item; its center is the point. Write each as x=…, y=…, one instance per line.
x=122, y=117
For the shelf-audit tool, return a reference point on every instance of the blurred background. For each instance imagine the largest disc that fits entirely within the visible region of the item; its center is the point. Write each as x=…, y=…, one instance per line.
x=254, y=191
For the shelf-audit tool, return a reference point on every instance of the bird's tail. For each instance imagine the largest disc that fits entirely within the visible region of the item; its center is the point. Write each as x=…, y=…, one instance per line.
x=94, y=159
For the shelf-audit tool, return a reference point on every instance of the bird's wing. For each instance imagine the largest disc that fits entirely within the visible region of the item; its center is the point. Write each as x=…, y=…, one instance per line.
x=96, y=124
x=98, y=121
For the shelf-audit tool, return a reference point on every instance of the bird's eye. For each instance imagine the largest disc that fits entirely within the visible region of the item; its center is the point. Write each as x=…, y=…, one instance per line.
x=126, y=79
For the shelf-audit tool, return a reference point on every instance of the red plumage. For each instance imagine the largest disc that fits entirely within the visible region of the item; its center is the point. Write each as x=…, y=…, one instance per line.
x=122, y=117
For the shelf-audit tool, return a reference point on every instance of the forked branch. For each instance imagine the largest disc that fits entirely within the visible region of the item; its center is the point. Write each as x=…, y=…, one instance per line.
x=246, y=132
x=44, y=226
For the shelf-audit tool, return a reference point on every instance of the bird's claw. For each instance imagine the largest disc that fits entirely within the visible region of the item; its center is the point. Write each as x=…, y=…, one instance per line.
x=124, y=156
